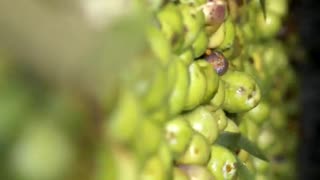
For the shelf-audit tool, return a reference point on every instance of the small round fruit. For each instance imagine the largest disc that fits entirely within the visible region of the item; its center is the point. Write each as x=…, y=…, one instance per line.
x=242, y=93
x=217, y=100
x=221, y=119
x=222, y=163
x=178, y=134
x=232, y=127
x=197, y=152
x=202, y=121
x=196, y=172
x=269, y=27
x=218, y=62
x=178, y=174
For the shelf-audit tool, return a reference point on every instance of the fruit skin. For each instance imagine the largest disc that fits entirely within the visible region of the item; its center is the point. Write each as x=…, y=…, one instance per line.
x=148, y=138
x=178, y=134
x=249, y=128
x=217, y=100
x=212, y=80
x=197, y=87
x=200, y=44
x=267, y=28
x=216, y=37
x=153, y=169
x=194, y=2
x=215, y=12
x=230, y=34
x=178, y=174
x=258, y=114
x=232, y=127
x=187, y=57
x=193, y=21
x=222, y=163
x=126, y=117
x=180, y=90
x=197, y=152
x=170, y=20
x=203, y=122
x=196, y=172
x=159, y=45
x=221, y=119
x=241, y=94
x=218, y=62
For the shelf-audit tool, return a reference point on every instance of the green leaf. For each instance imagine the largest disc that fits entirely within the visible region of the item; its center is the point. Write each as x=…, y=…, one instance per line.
x=229, y=140
x=235, y=141
x=263, y=6
x=250, y=147
x=243, y=172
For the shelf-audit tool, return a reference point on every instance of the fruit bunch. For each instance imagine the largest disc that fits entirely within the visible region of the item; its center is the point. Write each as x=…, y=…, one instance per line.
x=212, y=95
x=210, y=99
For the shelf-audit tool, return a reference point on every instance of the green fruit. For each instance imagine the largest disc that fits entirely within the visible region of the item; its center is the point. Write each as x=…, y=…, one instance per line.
x=158, y=91
x=217, y=100
x=194, y=2
x=197, y=86
x=260, y=165
x=222, y=163
x=212, y=79
x=216, y=38
x=170, y=20
x=202, y=121
x=159, y=45
x=125, y=118
x=243, y=155
x=269, y=27
x=197, y=152
x=179, y=93
x=266, y=138
x=187, y=57
x=178, y=174
x=278, y=118
x=196, y=172
x=221, y=119
x=153, y=169
x=232, y=127
x=258, y=114
x=148, y=138
x=124, y=161
x=241, y=93
x=193, y=21
x=178, y=134
x=200, y=44
x=249, y=128
x=279, y=7
x=160, y=115
x=166, y=157
x=230, y=34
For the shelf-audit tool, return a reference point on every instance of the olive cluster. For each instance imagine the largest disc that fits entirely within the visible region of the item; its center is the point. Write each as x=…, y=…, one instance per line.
x=212, y=68
x=209, y=96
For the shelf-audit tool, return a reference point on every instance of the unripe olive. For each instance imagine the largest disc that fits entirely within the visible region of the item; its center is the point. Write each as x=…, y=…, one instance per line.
x=197, y=152
x=217, y=100
x=241, y=93
x=178, y=134
x=269, y=27
x=196, y=172
x=222, y=163
x=202, y=121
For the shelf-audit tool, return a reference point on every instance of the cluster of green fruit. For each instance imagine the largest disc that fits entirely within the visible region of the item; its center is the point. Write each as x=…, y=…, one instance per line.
x=210, y=96
x=210, y=99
